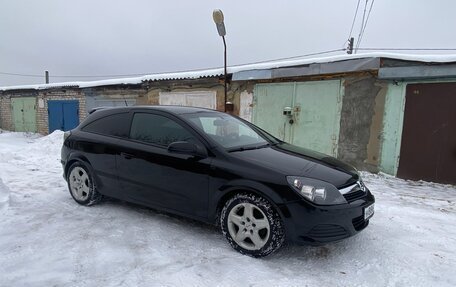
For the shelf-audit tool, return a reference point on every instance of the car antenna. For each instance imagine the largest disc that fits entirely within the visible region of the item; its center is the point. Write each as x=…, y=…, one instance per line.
x=125, y=100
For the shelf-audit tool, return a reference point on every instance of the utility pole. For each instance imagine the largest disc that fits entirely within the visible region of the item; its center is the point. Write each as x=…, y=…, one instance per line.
x=350, y=45
x=46, y=76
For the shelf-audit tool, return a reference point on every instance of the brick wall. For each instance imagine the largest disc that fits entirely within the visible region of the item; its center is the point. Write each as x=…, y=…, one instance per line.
x=6, y=117
x=146, y=94
x=42, y=119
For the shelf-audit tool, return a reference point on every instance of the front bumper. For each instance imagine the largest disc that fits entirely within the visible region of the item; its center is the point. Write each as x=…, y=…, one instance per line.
x=309, y=224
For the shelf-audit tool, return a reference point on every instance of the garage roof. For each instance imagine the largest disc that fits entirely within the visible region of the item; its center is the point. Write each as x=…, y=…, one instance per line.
x=289, y=67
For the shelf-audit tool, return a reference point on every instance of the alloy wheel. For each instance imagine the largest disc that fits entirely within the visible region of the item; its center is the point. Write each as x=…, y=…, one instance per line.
x=248, y=226
x=79, y=183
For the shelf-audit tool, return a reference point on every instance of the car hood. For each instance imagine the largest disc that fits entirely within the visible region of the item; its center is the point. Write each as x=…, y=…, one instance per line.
x=296, y=161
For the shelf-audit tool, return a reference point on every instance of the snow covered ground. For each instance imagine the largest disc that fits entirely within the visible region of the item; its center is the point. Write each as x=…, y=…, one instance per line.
x=46, y=239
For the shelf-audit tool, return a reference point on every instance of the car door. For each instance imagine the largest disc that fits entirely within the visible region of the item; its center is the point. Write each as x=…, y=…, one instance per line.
x=98, y=143
x=151, y=175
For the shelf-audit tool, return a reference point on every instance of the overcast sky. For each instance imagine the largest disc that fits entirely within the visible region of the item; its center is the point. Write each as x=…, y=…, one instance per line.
x=109, y=37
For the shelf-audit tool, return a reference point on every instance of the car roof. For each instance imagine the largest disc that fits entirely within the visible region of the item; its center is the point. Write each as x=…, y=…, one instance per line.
x=178, y=110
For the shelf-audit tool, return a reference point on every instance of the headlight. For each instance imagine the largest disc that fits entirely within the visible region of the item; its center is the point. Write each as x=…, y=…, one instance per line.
x=317, y=191
x=360, y=182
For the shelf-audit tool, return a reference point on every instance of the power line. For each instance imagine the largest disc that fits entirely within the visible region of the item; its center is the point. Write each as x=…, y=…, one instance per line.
x=354, y=20
x=251, y=63
x=350, y=40
x=362, y=24
x=407, y=49
x=365, y=25
x=22, y=75
x=293, y=57
x=71, y=76
x=133, y=75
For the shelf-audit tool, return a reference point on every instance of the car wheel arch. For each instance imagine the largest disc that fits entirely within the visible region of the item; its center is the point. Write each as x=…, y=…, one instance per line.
x=77, y=158
x=230, y=193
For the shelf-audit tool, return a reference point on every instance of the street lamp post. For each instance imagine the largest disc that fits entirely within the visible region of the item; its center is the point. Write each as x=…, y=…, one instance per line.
x=217, y=15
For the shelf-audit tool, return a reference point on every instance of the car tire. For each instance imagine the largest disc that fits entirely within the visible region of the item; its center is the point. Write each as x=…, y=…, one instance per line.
x=251, y=225
x=81, y=185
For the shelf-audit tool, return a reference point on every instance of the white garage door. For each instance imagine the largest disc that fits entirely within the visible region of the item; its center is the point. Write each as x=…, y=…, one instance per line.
x=203, y=99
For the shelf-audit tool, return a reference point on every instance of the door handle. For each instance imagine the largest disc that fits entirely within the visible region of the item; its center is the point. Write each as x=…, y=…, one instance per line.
x=126, y=155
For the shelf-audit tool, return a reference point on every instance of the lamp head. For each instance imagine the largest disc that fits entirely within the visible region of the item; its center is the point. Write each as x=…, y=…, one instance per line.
x=217, y=15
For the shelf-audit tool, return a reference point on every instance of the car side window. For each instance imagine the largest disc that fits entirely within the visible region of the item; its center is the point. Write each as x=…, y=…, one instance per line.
x=159, y=130
x=113, y=125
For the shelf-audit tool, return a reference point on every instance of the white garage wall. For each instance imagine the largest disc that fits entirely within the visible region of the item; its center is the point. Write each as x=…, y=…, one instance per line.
x=245, y=110
x=202, y=99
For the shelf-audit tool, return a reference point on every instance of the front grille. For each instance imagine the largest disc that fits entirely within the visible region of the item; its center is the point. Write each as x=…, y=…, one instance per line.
x=327, y=231
x=354, y=195
x=359, y=223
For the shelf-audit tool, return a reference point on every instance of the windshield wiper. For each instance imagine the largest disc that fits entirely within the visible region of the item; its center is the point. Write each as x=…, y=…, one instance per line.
x=243, y=148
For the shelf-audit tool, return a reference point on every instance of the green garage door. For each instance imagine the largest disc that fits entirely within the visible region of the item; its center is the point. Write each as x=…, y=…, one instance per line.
x=315, y=119
x=268, y=104
x=24, y=114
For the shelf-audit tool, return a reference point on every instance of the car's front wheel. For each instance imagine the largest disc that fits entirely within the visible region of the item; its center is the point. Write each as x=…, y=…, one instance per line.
x=251, y=225
x=81, y=185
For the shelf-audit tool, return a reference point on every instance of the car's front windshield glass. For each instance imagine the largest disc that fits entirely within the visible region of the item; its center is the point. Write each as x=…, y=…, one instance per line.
x=228, y=131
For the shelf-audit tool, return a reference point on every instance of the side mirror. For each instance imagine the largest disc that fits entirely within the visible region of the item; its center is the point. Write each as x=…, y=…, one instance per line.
x=187, y=148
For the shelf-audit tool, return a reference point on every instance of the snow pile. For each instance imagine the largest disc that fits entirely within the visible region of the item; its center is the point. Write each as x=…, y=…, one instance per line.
x=34, y=156
x=440, y=196
x=52, y=143
x=46, y=239
x=4, y=195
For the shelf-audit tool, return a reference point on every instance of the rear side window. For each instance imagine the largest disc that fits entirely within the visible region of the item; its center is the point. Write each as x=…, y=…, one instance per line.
x=158, y=130
x=113, y=125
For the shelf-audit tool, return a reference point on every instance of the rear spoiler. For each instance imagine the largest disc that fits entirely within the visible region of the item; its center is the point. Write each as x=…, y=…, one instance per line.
x=96, y=109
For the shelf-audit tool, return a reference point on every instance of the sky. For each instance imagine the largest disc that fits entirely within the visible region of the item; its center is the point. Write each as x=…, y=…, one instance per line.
x=87, y=38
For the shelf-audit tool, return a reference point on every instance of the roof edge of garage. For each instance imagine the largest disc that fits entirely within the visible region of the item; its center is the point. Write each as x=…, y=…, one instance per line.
x=344, y=66
x=197, y=74
x=417, y=72
x=298, y=66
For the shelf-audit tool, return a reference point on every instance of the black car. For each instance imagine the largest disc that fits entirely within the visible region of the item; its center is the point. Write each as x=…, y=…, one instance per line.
x=219, y=169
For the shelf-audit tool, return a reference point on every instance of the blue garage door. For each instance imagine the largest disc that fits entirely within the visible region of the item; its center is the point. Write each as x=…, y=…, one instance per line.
x=63, y=115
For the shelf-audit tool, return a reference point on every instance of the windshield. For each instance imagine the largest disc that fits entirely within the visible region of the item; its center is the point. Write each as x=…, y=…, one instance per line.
x=228, y=131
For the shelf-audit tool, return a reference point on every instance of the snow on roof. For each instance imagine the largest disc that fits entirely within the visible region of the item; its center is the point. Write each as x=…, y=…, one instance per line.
x=122, y=81
x=196, y=74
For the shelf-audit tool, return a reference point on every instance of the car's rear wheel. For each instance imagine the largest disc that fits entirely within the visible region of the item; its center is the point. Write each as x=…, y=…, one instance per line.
x=251, y=225
x=81, y=185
